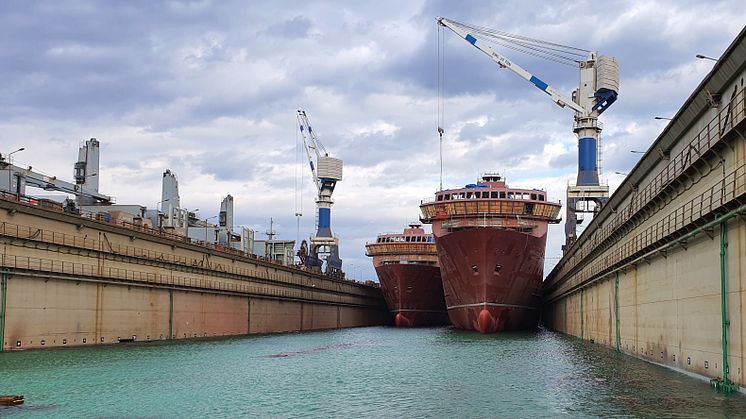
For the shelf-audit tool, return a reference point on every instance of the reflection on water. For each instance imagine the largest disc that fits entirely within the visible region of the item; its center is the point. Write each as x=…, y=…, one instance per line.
x=369, y=372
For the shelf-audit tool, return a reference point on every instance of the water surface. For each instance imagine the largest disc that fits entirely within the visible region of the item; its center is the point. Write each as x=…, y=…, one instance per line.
x=366, y=372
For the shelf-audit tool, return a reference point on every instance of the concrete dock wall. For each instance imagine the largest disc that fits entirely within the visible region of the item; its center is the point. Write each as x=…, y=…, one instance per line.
x=669, y=310
x=650, y=273
x=70, y=281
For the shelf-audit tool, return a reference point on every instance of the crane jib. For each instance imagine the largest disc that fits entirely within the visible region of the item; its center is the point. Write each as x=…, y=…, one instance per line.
x=538, y=83
x=535, y=80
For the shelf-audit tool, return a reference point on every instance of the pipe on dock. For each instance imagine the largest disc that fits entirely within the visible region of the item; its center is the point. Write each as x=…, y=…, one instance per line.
x=725, y=385
x=616, y=306
x=3, y=299
x=582, y=315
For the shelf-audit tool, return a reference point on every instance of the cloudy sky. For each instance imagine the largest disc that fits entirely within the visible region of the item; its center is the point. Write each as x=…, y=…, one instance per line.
x=210, y=89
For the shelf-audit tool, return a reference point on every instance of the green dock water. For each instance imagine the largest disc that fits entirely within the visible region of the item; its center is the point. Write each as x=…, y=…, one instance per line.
x=367, y=372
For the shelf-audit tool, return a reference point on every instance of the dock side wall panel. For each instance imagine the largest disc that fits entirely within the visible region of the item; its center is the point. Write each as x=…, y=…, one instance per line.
x=669, y=308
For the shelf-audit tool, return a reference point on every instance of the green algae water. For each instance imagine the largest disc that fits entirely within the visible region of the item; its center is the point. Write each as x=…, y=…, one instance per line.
x=367, y=372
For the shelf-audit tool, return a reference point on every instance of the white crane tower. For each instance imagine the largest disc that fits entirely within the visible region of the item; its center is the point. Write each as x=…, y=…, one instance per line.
x=326, y=171
x=598, y=89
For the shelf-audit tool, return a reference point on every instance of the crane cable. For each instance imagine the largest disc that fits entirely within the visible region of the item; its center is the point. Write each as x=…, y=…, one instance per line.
x=441, y=102
x=551, y=51
x=298, y=181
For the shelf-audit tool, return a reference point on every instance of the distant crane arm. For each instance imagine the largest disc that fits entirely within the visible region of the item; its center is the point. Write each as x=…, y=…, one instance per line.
x=504, y=62
x=51, y=183
x=310, y=142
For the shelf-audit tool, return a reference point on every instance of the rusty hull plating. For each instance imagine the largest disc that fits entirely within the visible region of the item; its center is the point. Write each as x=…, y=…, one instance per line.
x=490, y=241
x=407, y=268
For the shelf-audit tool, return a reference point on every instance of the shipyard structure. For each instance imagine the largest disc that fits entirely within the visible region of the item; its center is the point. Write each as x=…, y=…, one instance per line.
x=660, y=272
x=88, y=271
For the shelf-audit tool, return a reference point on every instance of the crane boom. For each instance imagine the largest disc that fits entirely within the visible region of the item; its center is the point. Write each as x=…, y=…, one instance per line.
x=310, y=142
x=504, y=62
x=597, y=90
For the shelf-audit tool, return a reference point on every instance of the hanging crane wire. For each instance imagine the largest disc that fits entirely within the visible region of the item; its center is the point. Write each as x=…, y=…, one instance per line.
x=551, y=51
x=299, y=157
x=441, y=93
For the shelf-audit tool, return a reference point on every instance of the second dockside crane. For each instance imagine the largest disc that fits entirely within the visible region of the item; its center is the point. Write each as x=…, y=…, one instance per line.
x=323, y=252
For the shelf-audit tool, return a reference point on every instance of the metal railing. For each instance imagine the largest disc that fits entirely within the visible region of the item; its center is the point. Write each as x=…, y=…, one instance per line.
x=405, y=248
x=281, y=277
x=678, y=222
x=730, y=116
x=490, y=208
x=99, y=218
x=81, y=271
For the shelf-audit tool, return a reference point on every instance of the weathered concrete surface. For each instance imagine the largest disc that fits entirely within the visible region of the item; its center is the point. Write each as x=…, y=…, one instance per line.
x=71, y=281
x=653, y=254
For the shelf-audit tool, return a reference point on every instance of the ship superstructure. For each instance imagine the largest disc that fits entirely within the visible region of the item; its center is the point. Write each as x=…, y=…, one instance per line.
x=407, y=268
x=490, y=241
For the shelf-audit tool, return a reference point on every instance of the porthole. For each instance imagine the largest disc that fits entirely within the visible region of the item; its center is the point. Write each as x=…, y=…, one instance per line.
x=707, y=365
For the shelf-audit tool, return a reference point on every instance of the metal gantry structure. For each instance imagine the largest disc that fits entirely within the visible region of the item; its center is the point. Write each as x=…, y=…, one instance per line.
x=598, y=89
x=323, y=252
x=85, y=188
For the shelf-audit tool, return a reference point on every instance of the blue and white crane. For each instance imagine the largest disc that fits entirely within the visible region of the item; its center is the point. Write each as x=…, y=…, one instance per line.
x=327, y=171
x=598, y=89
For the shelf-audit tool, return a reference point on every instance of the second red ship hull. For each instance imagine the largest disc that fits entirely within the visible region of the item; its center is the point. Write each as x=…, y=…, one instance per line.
x=492, y=278
x=414, y=294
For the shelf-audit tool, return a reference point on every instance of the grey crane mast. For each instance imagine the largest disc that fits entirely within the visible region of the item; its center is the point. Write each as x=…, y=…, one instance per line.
x=323, y=254
x=598, y=89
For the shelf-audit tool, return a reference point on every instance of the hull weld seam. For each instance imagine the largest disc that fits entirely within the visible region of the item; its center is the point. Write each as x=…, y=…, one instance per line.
x=493, y=305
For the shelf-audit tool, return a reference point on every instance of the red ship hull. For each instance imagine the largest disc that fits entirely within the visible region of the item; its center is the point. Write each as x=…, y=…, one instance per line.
x=492, y=278
x=414, y=294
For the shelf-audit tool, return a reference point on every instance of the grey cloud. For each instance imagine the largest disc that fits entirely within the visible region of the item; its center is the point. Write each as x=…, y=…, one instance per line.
x=563, y=161
x=296, y=27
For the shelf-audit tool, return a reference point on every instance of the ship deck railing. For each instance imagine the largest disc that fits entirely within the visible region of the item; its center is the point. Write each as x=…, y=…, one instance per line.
x=376, y=249
x=489, y=208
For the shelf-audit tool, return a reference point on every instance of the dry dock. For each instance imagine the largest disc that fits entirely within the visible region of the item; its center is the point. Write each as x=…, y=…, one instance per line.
x=69, y=280
x=660, y=273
